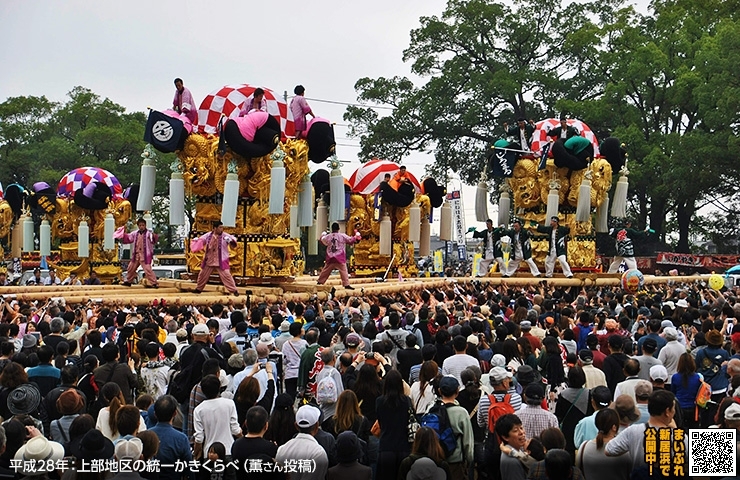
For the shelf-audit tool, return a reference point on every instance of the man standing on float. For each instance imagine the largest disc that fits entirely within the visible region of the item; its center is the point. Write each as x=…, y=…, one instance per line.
x=522, y=250
x=336, y=257
x=625, y=247
x=216, y=257
x=558, y=249
x=142, y=253
x=491, y=247
x=183, y=102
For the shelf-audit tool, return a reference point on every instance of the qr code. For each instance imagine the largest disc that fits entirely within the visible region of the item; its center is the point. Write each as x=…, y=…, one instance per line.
x=713, y=452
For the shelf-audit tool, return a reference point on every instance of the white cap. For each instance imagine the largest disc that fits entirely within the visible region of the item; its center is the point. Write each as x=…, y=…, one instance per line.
x=307, y=416
x=130, y=448
x=200, y=329
x=266, y=339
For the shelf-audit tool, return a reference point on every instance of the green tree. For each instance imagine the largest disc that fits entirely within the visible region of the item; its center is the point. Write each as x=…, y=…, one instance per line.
x=486, y=63
x=42, y=140
x=664, y=83
x=668, y=92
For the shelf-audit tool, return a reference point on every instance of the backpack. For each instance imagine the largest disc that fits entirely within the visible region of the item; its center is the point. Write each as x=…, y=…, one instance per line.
x=178, y=386
x=498, y=409
x=583, y=332
x=438, y=420
x=326, y=391
x=703, y=395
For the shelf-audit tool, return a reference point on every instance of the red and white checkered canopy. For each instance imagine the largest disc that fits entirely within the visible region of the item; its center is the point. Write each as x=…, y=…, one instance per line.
x=230, y=99
x=367, y=178
x=540, y=139
x=80, y=177
x=1, y=191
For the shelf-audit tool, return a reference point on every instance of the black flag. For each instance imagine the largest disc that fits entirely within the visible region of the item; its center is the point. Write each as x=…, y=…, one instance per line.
x=501, y=162
x=164, y=133
x=543, y=157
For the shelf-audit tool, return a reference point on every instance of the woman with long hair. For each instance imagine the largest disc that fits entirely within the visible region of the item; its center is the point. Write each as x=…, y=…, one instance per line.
x=422, y=391
x=592, y=459
x=511, y=354
x=685, y=385
x=368, y=388
x=393, y=417
x=573, y=405
x=519, y=314
x=281, y=426
x=526, y=354
x=112, y=399
x=13, y=375
x=426, y=447
x=551, y=366
x=248, y=392
x=348, y=417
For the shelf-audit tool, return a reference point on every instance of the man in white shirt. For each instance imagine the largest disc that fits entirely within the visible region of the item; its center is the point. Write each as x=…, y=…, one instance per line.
x=671, y=352
x=631, y=372
x=305, y=447
x=214, y=419
x=52, y=279
x=458, y=362
x=72, y=280
x=594, y=376
x=328, y=405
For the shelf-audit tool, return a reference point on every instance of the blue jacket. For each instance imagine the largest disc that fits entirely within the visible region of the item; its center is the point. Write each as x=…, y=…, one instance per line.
x=709, y=363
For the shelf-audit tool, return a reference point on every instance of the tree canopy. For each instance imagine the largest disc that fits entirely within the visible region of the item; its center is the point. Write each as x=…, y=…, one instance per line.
x=663, y=82
x=41, y=140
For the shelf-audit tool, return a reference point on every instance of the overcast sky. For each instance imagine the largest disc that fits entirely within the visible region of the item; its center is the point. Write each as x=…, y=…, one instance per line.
x=130, y=51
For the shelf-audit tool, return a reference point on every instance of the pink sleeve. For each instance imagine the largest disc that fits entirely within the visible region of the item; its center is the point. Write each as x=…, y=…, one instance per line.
x=198, y=244
x=174, y=100
x=304, y=105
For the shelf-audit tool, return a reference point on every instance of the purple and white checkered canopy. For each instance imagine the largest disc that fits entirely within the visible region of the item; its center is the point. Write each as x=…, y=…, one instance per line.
x=81, y=177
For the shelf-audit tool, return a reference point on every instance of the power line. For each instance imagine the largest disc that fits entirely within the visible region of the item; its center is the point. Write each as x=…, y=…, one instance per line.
x=334, y=102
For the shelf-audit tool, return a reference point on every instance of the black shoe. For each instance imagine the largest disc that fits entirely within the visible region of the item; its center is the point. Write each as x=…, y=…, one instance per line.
x=349, y=287
x=569, y=276
x=333, y=292
x=126, y=284
x=236, y=293
x=198, y=291
x=156, y=285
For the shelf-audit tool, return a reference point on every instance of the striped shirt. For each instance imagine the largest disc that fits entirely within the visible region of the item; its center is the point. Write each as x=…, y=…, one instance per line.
x=485, y=402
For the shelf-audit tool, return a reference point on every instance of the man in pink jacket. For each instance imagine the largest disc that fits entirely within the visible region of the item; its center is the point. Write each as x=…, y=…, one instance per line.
x=183, y=102
x=216, y=244
x=142, y=252
x=335, y=254
x=299, y=107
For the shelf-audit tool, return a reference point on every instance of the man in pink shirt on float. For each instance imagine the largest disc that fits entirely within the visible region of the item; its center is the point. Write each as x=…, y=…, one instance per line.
x=183, y=102
x=256, y=102
x=336, y=257
x=142, y=253
x=216, y=257
x=299, y=107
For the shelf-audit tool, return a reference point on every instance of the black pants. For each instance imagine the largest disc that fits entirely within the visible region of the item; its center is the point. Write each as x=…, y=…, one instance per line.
x=389, y=463
x=291, y=386
x=707, y=414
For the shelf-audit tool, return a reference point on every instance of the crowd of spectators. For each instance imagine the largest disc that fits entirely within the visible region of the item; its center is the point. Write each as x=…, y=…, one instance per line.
x=466, y=381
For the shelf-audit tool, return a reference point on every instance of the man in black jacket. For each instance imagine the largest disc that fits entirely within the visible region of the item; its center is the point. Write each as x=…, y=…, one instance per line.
x=521, y=132
x=113, y=371
x=491, y=247
x=564, y=131
x=614, y=363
